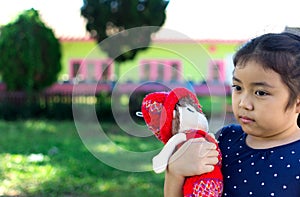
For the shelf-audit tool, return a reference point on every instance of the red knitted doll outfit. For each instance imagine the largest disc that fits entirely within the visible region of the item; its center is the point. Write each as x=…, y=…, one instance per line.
x=157, y=109
x=208, y=184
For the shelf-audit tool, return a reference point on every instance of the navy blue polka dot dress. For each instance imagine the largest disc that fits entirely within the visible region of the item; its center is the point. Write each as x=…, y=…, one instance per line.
x=258, y=172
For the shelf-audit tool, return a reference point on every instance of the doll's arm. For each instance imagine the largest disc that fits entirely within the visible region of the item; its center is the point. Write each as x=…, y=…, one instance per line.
x=160, y=161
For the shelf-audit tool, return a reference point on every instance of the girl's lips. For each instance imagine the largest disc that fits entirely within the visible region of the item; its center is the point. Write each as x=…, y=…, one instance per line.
x=246, y=120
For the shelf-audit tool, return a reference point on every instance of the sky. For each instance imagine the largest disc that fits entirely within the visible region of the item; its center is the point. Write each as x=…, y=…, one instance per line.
x=197, y=19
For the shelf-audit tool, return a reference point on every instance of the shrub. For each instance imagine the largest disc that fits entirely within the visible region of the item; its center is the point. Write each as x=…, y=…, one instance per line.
x=29, y=54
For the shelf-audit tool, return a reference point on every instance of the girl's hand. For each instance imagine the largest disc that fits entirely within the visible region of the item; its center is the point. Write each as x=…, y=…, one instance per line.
x=194, y=157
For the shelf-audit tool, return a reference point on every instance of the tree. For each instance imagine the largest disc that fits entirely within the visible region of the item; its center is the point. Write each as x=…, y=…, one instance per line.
x=29, y=53
x=106, y=18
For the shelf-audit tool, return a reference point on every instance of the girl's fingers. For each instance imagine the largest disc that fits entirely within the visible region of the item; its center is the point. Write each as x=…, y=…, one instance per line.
x=194, y=157
x=207, y=168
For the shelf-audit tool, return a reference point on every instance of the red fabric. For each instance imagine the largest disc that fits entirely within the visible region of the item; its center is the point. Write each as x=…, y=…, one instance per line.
x=157, y=110
x=152, y=107
x=208, y=184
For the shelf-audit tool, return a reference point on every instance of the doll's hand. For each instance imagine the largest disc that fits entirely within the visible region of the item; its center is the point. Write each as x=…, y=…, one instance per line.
x=160, y=161
x=194, y=157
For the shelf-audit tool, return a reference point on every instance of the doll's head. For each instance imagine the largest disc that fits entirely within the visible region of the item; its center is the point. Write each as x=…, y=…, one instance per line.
x=187, y=115
x=168, y=113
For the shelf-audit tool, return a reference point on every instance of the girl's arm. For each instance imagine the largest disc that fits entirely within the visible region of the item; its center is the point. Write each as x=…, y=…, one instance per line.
x=195, y=157
x=173, y=185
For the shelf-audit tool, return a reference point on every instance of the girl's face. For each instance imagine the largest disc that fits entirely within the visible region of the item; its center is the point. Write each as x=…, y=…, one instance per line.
x=259, y=100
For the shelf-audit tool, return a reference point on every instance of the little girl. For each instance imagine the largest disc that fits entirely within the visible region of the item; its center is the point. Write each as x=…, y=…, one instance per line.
x=261, y=155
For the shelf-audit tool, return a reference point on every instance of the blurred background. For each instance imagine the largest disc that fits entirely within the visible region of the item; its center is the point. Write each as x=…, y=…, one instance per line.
x=70, y=69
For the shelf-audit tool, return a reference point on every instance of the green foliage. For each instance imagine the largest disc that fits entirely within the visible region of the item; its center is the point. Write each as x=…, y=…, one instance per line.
x=47, y=158
x=19, y=105
x=103, y=106
x=106, y=18
x=29, y=53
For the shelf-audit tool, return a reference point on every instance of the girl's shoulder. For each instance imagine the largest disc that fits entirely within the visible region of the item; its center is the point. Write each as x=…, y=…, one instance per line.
x=232, y=130
x=232, y=127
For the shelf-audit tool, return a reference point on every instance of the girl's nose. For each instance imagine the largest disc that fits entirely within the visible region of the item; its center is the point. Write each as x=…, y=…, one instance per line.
x=246, y=103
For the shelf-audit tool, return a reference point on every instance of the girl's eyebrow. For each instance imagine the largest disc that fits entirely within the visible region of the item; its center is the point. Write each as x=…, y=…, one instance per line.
x=236, y=79
x=254, y=83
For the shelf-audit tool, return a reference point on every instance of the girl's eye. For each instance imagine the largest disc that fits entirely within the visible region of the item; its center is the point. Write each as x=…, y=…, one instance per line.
x=189, y=109
x=236, y=87
x=261, y=93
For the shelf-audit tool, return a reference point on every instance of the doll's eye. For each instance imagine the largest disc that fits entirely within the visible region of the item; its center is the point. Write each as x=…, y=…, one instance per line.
x=189, y=109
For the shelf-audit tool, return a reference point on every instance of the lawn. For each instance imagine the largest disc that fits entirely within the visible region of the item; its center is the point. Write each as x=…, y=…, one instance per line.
x=48, y=158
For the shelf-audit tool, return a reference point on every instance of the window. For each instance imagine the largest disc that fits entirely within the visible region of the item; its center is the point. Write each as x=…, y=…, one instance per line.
x=145, y=72
x=175, y=72
x=75, y=70
x=90, y=75
x=161, y=70
x=216, y=72
x=105, y=72
x=91, y=70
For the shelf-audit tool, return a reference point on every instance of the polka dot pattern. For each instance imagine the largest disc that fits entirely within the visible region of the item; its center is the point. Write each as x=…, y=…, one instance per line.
x=258, y=172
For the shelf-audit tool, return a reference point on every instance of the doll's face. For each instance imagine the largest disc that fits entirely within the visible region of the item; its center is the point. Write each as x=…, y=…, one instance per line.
x=190, y=118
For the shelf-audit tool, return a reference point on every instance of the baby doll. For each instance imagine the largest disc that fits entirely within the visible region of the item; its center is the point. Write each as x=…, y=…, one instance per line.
x=174, y=117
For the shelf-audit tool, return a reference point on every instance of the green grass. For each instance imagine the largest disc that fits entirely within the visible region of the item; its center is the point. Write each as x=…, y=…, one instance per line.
x=48, y=158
